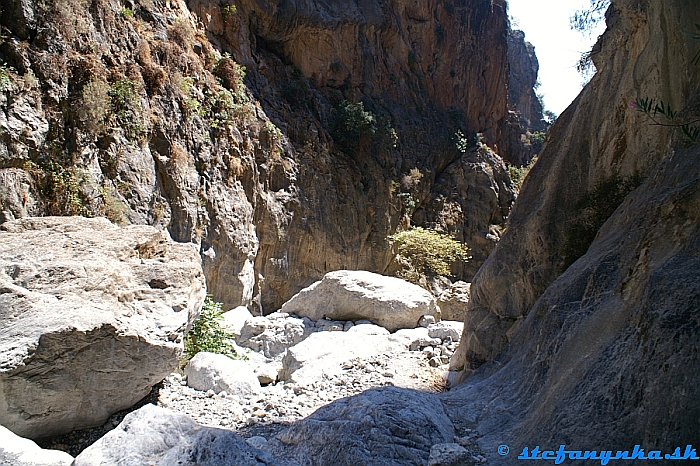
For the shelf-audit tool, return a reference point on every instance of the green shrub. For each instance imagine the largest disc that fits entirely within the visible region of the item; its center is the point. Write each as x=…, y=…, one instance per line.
x=427, y=252
x=353, y=127
x=126, y=107
x=127, y=12
x=518, y=174
x=5, y=77
x=227, y=10
x=356, y=130
x=208, y=334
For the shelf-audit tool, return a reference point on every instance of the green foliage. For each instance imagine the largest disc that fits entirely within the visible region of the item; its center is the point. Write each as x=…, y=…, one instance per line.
x=62, y=190
x=424, y=251
x=585, y=20
x=518, y=174
x=592, y=210
x=461, y=141
x=227, y=10
x=688, y=129
x=127, y=107
x=208, y=333
x=127, y=12
x=356, y=129
x=5, y=77
x=695, y=40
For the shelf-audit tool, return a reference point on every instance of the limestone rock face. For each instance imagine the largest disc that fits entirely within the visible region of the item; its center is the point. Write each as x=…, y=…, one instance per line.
x=217, y=372
x=523, y=66
x=355, y=295
x=612, y=343
x=154, y=435
x=150, y=123
x=92, y=316
x=598, y=138
x=18, y=451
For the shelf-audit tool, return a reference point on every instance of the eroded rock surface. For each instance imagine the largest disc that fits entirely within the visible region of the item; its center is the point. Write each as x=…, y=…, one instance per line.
x=92, y=316
x=138, y=113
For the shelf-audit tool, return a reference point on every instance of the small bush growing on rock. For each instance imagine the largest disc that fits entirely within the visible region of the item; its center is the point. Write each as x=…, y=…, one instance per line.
x=208, y=334
x=356, y=130
x=94, y=104
x=518, y=174
x=427, y=252
x=5, y=79
x=127, y=107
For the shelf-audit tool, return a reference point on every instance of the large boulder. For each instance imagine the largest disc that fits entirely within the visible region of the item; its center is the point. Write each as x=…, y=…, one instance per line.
x=236, y=318
x=18, y=451
x=158, y=436
x=91, y=317
x=353, y=295
x=217, y=372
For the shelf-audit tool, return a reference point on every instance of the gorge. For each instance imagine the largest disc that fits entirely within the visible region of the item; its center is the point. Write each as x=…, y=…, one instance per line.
x=290, y=139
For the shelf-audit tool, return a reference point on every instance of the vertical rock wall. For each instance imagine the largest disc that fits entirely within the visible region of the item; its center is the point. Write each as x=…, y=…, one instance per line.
x=598, y=141
x=140, y=112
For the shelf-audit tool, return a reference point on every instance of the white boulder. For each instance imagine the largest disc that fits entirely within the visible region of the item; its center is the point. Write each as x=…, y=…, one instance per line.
x=322, y=354
x=235, y=319
x=18, y=451
x=217, y=372
x=352, y=295
x=91, y=317
x=449, y=454
x=273, y=334
x=446, y=329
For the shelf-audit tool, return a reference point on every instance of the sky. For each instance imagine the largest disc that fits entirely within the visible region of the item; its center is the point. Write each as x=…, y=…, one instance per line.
x=557, y=46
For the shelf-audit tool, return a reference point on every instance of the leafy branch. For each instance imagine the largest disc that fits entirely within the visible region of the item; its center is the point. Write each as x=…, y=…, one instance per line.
x=690, y=130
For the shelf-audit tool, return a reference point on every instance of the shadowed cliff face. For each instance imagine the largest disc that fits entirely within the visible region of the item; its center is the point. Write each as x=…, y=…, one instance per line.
x=135, y=111
x=598, y=149
x=595, y=345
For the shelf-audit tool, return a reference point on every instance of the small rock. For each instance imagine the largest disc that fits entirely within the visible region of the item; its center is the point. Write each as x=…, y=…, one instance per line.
x=258, y=442
x=426, y=320
x=449, y=454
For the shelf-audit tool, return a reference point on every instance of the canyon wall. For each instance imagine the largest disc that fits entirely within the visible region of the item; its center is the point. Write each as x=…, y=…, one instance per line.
x=224, y=124
x=582, y=329
x=599, y=149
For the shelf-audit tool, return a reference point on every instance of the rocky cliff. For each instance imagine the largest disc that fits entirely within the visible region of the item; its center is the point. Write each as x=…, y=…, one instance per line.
x=592, y=291
x=287, y=139
x=599, y=150
x=523, y=66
